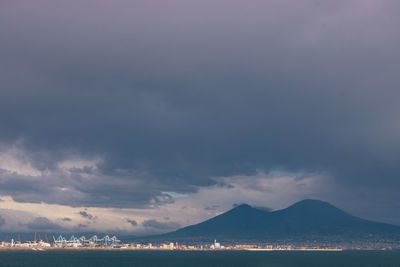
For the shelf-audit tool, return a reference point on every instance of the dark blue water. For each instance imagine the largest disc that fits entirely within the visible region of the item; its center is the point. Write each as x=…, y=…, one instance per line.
x=198, y=258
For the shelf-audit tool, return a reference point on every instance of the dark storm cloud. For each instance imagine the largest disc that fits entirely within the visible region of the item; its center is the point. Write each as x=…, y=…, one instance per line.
x=42, y=223
x=160, y=225
x=95, y=190
x=171, y=94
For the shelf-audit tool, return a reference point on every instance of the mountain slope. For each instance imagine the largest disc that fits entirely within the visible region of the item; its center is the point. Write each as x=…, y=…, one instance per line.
x=305, y=218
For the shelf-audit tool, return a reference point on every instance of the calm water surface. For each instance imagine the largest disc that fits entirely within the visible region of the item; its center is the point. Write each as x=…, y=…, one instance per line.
x=198, y=258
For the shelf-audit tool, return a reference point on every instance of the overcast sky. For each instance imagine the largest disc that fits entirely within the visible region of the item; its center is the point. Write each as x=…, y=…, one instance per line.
x=144, y=116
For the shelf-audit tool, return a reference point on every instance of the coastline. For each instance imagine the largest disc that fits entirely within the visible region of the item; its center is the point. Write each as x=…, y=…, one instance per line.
x=159, y=249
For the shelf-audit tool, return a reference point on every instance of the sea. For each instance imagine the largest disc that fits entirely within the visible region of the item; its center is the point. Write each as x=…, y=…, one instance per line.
x=199, y=258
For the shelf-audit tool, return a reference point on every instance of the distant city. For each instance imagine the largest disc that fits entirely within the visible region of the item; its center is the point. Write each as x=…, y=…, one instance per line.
x=113, y=243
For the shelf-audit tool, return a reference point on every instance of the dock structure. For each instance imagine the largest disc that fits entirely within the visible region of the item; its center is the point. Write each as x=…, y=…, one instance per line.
x=63, y=242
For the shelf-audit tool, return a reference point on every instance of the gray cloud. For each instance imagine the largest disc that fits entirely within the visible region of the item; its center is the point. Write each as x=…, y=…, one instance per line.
x=86, y=215
x=118, y=190
x=196, y=94
x=213, y=207
x=264, y=208
x=66, y=219
x=2, y=221
x=152, y=223
x=43, y=224
x=234, y=205
x=132, y=222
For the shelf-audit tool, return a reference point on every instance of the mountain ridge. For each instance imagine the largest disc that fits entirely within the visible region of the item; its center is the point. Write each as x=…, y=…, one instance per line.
x=303, y=219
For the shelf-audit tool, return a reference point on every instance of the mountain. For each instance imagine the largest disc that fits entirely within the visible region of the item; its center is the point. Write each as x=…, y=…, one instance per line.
x=301, y=220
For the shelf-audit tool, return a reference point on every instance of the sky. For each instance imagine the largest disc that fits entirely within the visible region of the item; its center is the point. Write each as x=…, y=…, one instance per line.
x=146, y=116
